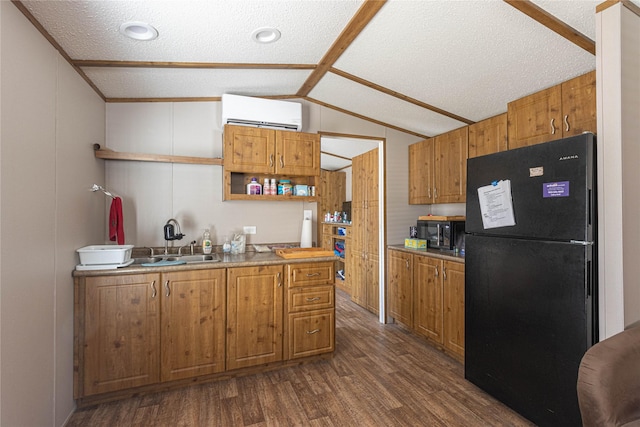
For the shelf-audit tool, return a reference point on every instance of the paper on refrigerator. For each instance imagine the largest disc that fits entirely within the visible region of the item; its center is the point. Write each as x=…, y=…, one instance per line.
x=496, y=204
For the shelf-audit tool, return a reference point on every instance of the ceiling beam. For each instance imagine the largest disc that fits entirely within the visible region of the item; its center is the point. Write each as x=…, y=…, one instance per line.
x=399, y=95
x=369, y=119
x=360, y=20
x=190, y=65
x=554, y=24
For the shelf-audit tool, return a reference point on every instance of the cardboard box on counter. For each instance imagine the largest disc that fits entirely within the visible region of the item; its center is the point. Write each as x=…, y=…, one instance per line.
x=415, y=243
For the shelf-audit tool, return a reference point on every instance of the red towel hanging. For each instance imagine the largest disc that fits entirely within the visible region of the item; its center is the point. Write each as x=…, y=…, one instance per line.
x=116, y=224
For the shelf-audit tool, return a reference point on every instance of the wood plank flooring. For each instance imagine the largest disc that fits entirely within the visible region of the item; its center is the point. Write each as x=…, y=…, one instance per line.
x=380, y=375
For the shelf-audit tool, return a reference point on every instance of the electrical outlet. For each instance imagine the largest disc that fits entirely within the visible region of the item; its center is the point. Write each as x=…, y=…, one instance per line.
x=249, y=229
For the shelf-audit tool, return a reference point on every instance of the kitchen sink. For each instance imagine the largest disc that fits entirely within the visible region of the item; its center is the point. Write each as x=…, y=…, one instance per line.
x=189, y=259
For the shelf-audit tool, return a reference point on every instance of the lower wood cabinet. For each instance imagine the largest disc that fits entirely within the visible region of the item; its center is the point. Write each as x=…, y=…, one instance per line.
x=310, y=310
x=118, y=333
x=136, y=332
x=426, y=294
x=193, y=316
x=254, y=317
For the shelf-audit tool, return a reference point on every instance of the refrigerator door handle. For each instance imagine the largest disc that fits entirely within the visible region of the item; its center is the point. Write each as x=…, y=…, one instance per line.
x=581, y=242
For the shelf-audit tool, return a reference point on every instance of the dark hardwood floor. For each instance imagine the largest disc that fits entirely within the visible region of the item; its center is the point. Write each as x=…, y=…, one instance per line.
x=380, y=375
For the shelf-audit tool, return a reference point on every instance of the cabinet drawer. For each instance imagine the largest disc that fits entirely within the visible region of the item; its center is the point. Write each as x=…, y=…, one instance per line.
x=304, y=299
x=311, y=333
x=310, y=274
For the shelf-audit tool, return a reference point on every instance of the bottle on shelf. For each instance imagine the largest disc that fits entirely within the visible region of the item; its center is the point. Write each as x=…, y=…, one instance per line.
x=254, y=187
x=274, y=188
x=266, y=187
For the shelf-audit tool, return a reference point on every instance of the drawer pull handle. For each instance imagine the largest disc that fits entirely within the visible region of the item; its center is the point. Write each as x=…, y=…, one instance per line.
x=553, y=126
x=166, y=286
x=281, y=161
x=566, y=123
x=312, y=274
x=153, y=289
x=313, y=299
x=315, y=331
x=271, y=161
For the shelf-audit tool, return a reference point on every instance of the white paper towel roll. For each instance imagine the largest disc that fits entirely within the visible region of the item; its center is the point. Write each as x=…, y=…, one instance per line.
x=305, y=236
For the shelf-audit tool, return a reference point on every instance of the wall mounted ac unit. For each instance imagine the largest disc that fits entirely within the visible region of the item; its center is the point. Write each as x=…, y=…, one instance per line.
x=263, y=113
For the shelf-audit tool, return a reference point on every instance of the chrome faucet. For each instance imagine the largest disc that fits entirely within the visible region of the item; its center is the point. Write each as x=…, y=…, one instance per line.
x=191, y=245
x=171, y=234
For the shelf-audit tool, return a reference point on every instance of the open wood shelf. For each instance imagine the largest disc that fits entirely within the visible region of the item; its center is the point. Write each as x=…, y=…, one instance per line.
x=106, y=154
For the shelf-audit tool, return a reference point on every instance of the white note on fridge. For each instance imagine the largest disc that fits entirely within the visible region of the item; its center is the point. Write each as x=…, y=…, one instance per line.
x=496, y=204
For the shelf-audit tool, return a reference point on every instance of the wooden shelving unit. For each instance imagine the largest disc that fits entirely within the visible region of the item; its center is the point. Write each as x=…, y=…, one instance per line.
x=235, y=187
x=106, y=154
x=331, y=235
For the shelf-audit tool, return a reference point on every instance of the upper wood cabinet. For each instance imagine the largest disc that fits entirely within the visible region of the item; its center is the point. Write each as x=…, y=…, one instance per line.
x=488, y=136
x=266, y=151
x=438, y=168
x=421, y=172
x=563, y=110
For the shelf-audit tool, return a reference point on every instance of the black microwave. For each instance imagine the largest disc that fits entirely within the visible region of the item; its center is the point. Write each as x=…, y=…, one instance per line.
x=442, y=234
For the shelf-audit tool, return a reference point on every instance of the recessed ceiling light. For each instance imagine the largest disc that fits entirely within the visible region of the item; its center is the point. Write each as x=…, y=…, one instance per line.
x=265, y=35
x=138, y=31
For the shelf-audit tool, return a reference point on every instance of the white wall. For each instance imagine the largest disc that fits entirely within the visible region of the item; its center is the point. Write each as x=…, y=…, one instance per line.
x=49, y=119
x=618, y=112
x=154, y=192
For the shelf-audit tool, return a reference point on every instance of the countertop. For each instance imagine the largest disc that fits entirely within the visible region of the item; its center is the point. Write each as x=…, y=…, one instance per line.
x=436, y=253
x=226, y=261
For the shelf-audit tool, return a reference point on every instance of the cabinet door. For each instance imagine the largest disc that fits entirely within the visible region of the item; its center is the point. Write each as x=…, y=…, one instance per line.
x=372, y=283
x=579, y=105
x=535, y=118
x=400, y=286
x=421, y=172
x=451, y=152
x=254, y=315
x=248, y=149
x=453, y=278
x=193, y=317
x=357, y=278
x=121, y=332
x=488, y=136
x=297, y=153
x=427, y=288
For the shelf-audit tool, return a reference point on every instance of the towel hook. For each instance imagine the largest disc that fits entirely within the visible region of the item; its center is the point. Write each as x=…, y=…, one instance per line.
x=97, y=187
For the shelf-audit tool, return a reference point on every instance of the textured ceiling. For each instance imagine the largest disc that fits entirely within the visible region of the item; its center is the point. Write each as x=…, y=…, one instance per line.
x=424, y=67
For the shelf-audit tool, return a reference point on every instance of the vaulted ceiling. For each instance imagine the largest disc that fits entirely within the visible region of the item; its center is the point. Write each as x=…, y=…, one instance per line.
x=420, y=66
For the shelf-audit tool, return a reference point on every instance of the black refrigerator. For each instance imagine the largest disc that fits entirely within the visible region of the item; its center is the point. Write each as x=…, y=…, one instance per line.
x=531, y=275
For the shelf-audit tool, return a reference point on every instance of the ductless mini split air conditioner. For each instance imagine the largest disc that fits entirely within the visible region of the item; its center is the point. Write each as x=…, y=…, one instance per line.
x=258, y=112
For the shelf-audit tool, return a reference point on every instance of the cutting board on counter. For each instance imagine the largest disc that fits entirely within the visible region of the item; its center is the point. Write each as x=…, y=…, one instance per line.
x=442, y=218
x=291, y=253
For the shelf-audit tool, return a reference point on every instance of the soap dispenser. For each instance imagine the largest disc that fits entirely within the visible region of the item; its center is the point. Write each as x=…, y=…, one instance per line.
x=206, y=242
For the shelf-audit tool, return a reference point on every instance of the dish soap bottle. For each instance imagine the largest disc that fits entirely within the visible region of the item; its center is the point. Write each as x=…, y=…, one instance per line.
x=206, y=242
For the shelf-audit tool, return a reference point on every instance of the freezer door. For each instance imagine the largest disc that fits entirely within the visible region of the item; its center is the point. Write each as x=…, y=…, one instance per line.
x=528, y=322
x=552, y=188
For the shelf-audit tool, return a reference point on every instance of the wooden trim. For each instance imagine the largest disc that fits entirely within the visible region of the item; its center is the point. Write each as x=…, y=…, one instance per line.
x=335, y=155
x=398, y=95
x=350, y=135
x=554, y=24
x=360, y=20
x=188, y=65
x=359, y=116
x=626, y=3
x=191, y=99
x=106, y=154
x=22, y=8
